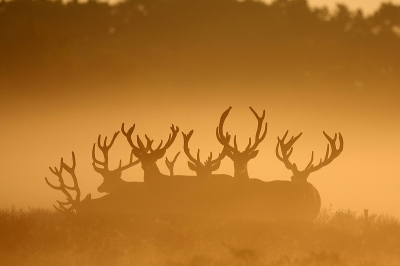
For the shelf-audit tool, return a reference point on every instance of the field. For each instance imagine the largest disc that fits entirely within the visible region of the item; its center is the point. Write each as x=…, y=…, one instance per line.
x=44, y=237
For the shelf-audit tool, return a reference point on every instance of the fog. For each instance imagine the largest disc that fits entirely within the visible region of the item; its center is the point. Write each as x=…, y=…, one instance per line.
x=58, y=94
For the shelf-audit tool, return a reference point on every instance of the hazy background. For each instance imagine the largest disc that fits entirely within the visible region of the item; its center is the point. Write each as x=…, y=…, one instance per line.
x=71, y=72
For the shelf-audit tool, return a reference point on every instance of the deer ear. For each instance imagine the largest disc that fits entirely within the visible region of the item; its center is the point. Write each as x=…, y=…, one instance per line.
x=253, y=154
x=192, y=166
x=159, y=154
x=215, y=166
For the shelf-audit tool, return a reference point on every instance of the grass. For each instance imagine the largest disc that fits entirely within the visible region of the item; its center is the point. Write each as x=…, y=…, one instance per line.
x=44, y=237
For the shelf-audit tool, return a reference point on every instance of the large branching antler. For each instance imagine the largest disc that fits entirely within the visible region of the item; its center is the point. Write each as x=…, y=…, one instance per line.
x=71, y=203
x=140, y=149
x=196, y=165
x=104, y=148
x=286, y=149
x=224, y=139
x=329, y=155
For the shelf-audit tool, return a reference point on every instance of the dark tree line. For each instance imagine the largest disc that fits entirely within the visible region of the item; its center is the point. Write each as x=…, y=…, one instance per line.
x=52, y=38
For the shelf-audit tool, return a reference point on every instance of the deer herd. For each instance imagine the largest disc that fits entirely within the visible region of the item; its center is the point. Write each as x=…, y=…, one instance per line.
x=204, y=194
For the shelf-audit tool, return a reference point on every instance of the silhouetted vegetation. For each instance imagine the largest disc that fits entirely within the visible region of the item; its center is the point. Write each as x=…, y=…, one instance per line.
x=216, y=38
x=43, y=237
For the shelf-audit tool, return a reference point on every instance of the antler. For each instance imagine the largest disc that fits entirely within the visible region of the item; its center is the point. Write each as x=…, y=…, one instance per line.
x=335, y=152
x=63, y=206
x=225, y=139
x=196, y=164
x=287, y=149
x=104, y=148
x=141, y=149
x=170, y=164
x=186, y=138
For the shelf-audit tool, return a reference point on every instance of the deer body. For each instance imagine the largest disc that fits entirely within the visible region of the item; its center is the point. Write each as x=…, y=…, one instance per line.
x=216, y=197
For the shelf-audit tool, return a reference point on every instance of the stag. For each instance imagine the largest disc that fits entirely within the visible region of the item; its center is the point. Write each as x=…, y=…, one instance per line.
x=286, y=150
x=241, y=158
x=112, y=180
x=147, y=155
x=202, y=169
x=137, y=200
x=299, y=192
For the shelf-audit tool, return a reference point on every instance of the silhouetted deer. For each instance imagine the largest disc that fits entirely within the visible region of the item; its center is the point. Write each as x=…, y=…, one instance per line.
x=134, y=198
x=241, y=158
x=302, y=193
x=147, y=155
x=205, y=194
x=202, y=169
x=112, y=178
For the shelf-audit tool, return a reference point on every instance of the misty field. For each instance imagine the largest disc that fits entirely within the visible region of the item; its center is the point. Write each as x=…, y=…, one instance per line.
x=44, y=237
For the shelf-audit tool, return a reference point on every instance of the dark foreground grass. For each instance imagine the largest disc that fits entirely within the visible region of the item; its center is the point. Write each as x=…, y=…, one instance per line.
x=43, y=237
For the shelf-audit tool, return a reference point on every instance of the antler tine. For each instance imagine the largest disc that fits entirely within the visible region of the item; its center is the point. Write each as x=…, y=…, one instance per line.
x=310, y=164
x=210, y=157
x=141, y=145
x=219, y=158
x=186, y=138
x=149, y=143
x=235, y=143
x=173, y=160
x=258, y=139
x=331, y=152
x=158, y=147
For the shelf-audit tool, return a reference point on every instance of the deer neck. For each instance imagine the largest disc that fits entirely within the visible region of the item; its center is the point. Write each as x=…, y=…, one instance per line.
x=300, y=176
x=241, y=172
x=151, y=172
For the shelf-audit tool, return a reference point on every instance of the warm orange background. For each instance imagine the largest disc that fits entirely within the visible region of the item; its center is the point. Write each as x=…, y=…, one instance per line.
x=38, y=129
x=40, y=126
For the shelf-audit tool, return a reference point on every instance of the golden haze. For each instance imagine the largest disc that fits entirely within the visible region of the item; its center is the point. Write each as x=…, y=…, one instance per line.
x=41, y=129
x=188, y=75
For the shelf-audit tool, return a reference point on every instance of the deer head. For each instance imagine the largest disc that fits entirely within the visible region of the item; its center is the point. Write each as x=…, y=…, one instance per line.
x=241, y=158
x=202, y=169
x=286, y=150
x=146, y=153
x=71, y=203
x=112, y=178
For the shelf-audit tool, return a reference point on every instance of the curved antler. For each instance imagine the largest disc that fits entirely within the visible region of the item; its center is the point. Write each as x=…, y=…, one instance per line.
x=63, y=206
x=196, y=165
x=104, y=148
x=141, y=149
x=224, y=138
x=287, y=149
